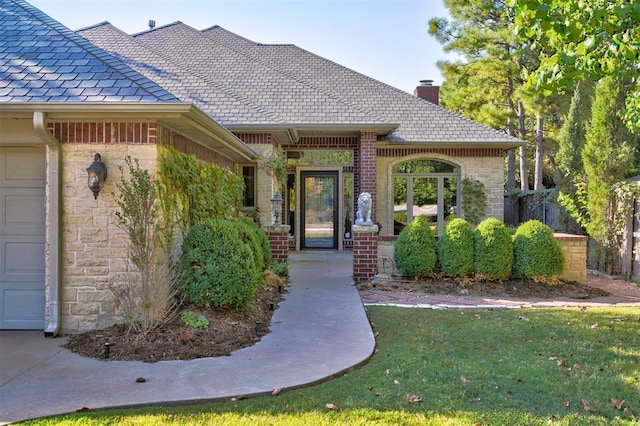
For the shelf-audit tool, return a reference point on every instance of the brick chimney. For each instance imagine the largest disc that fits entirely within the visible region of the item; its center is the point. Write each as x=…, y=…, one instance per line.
x=427, y=91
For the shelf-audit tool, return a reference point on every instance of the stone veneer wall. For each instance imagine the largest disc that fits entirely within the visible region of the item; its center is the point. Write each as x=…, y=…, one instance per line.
x=485, y=165
x=574, y=248
x=92, y=244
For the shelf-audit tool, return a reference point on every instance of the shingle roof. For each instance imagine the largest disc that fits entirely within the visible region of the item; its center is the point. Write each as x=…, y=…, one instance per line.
x=43, y=61
x=216, y=100
x=420, y=120
x=291, y=98
x=242, y=83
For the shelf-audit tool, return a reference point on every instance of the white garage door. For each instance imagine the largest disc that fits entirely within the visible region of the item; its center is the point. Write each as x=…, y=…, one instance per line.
x=22, y=238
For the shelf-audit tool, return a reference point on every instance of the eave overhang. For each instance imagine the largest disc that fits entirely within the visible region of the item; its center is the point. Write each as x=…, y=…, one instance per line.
x=185, y=119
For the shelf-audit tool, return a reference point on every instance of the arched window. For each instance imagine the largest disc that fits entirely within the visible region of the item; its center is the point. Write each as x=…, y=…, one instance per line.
x=425, y=188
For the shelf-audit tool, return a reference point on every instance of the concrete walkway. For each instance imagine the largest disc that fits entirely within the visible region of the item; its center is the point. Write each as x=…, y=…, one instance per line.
x=318, y=331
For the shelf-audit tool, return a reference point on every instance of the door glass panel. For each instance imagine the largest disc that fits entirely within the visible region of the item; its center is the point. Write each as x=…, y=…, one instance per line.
x=319, y=211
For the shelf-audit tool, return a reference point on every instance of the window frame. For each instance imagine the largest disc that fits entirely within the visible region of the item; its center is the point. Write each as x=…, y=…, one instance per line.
x=440, y=177
x=253, y=166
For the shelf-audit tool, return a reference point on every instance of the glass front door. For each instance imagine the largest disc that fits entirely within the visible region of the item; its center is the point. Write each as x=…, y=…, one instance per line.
x=319, y=215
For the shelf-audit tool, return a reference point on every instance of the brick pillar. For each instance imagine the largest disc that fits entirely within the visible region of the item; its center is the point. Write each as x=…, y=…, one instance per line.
x=279, y=241
x=365, y=251
x=367, y=168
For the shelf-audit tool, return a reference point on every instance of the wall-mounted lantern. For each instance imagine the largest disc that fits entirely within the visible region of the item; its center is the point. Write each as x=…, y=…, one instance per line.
x=97, y=174
x=276, y=205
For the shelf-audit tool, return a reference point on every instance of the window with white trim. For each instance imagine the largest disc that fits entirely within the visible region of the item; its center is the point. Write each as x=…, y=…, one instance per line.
x=428, y=188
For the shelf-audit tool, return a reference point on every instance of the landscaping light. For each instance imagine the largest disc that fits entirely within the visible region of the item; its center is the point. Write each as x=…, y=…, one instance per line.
x=276, y=205
x=258, y=328
x=107, y=348
x=97, y=174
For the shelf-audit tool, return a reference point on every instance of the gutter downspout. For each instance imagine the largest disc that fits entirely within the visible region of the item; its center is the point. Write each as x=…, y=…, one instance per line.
x=53, y=215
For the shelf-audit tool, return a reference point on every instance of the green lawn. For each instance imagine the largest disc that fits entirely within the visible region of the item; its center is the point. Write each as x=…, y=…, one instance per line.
x=488, y=367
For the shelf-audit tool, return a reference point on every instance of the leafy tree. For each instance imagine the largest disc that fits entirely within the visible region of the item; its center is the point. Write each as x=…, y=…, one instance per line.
x=577, y=40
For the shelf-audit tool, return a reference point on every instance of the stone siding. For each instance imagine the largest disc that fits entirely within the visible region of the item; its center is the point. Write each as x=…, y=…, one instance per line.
x=92, y=243
x=574, y=248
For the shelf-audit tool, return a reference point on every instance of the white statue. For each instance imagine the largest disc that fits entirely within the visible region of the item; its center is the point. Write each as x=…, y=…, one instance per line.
x=363, y=216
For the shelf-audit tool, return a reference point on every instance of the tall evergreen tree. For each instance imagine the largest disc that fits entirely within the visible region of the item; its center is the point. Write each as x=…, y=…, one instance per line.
x=608, y=158
x=572, y=137
x=482, y=86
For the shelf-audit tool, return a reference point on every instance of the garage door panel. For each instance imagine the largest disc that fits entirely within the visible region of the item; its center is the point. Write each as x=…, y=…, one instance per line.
x=23, y=211
x=19, y=170
x=23, y=309
x=22, y=238
x=23, y=261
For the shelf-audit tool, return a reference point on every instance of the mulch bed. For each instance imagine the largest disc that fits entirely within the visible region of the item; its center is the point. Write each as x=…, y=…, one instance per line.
x=512, y=288
x=229, y=331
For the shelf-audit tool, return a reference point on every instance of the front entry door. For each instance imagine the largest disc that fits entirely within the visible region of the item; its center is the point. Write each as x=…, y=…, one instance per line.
x=319, y=205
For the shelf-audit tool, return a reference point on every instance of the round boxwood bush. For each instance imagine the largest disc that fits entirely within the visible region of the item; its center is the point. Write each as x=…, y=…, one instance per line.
x=415, y=249
x=217, y=268
x=253, y=234
x=537, y=254
x=493, y=249
x=455, y=248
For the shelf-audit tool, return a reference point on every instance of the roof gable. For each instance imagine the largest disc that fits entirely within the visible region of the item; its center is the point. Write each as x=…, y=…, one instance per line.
x=43, y=61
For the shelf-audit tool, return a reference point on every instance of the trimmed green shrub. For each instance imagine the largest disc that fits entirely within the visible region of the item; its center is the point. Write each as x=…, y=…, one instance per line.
x=536, y=252
x=415, y=249
x=252, y=233
x=493, y=249
x=280, y=268
x=217, y=268
x=455, y=248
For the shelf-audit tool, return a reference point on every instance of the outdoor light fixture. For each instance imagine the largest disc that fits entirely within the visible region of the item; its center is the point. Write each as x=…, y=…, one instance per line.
x=97, y=174
x=276, y=204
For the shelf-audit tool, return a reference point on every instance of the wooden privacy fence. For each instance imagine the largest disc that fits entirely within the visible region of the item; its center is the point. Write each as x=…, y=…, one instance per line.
x=526, y=206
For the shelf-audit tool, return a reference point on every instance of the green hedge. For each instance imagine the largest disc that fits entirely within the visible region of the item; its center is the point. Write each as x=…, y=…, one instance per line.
x=252, y=233
x=493, y=249
x=455, y=248
x=415, y=249
x=217, y=267
x=537, y=253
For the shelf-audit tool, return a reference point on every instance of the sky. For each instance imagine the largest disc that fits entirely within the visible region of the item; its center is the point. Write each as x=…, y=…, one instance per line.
x=385, y=39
